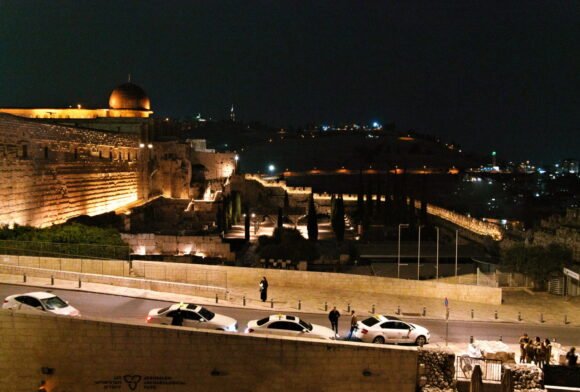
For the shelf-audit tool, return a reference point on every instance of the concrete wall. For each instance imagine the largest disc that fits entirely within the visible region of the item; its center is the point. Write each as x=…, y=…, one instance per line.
x=93, y=355
x=211, y=246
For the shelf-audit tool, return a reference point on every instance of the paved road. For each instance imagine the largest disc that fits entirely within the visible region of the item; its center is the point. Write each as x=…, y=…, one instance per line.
x=136, y=309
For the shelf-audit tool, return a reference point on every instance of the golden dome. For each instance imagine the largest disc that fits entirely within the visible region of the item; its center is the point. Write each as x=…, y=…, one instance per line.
x=129, y=96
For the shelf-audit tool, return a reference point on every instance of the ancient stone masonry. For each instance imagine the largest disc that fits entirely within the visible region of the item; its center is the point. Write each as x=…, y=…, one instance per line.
x=50, y=173
x=436, y=370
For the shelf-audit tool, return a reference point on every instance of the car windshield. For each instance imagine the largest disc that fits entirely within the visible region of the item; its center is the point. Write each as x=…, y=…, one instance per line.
x=163, y=310
x=53, y=303
x=370, y=321
x=206, y=314
x=263, y=321
x=306, y=325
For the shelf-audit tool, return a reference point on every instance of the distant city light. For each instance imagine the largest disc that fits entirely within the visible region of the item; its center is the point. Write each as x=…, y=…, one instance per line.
x=325, y=127
x=237, y=157
x=271, y=168
x=376, y=125
x=493, y=153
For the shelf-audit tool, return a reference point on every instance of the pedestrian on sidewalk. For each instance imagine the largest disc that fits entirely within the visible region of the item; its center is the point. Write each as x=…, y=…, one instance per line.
x=571, y=357
x=537, y=350
x=541, y=355
x=264, y=289
x=548, y=345
x=524, y=339
x=333, y=316
x=353, y=324
x=530, y=351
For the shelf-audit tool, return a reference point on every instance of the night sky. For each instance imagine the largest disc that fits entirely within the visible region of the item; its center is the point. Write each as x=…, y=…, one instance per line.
x=488, y=75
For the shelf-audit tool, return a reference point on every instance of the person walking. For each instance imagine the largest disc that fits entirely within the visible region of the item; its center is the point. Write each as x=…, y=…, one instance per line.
x=353, y=324
x=264, y=289
x=571, y=357
x=333, y=316
x=548, y=345
x=524, y=339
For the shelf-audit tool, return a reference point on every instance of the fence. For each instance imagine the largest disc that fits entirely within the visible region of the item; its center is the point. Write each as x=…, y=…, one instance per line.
x=54, y=249
x=490, y=368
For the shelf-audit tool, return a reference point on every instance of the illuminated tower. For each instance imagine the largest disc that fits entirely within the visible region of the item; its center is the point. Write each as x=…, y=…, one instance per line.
x=493, y=160
x=232, y=114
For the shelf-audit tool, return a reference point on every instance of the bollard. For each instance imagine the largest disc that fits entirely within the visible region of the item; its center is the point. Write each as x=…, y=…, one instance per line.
x=500, y=338
x=471, y=339
x=565, y=319
x=244, y=300
x=541, y=317
x=216, y=299
x=24, y=277
x=80, y=284
x=272, y=303
x=519, y=316
x=398, y=309
x=472, y=314
x=52, y=280
x=325, y=306
x=299, y=304
x=373, y=309
x=424, y=311
x=495, y=315
x=348, y=308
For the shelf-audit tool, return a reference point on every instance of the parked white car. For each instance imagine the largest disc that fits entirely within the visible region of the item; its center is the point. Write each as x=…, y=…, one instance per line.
x=40, y=301
x=285, y=325
x=194, y=316
x=386, y=329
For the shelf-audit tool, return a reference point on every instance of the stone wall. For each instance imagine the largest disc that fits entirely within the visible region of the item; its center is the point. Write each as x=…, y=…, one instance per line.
x=50, y=173
x=96, y=355
x=244, y=277
x=208, y=246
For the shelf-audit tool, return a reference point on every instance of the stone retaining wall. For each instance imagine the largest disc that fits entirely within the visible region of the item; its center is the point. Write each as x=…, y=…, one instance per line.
x=96, y=355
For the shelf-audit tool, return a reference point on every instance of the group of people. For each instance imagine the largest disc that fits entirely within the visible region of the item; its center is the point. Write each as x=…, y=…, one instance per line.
x=535, y=350
x=540, y=352
x=334, y=315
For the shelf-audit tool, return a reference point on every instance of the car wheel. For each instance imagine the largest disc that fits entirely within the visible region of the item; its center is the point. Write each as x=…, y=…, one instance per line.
x=379, y=340
x=421, y=340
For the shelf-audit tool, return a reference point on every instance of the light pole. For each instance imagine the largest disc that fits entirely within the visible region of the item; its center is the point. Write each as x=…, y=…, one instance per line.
x=437, y=255
x=404, y=225
x=419, y=254
x=456, y=250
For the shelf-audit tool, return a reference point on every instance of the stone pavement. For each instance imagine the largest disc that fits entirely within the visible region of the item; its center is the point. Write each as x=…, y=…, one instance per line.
x=531, y=306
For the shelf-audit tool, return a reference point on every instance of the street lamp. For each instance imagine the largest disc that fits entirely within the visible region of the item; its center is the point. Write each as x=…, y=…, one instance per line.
x=271, y=168
x=419, y=254
x=401, y=225
x=456, y=250
x=437, y=255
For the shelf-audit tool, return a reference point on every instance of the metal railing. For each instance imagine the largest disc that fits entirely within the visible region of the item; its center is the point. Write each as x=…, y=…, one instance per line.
x=490, y=368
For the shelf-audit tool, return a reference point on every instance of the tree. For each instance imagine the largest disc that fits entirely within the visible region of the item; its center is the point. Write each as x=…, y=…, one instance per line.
x=338, y=219
x=312, y=224
x=247, y=224
x=536, y=261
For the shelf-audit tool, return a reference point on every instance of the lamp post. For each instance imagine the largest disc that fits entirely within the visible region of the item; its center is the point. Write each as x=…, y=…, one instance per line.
x=437, y=255
x=401, y=225
x=456, y=250
x=419, y=254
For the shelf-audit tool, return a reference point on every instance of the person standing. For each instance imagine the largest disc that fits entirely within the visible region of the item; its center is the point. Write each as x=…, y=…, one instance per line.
x=529, y=348
x=548, y=345
x=177, y=318
x=571, y=357
x=264, y=289
x=524, y=339
x=353, y=324
x=537, y=350
x=333, y=316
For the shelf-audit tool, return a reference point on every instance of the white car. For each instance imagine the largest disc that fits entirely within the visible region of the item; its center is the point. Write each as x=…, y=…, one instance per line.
x=194, y=316
x=285, y=325
x=387, y=329
x=40, y=301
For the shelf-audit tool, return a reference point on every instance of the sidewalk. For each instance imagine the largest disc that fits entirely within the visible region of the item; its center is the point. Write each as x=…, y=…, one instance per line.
x=530, y=305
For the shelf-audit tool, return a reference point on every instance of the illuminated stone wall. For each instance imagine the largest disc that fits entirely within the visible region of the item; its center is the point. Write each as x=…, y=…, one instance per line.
x=50, y=173
x=99, y=355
